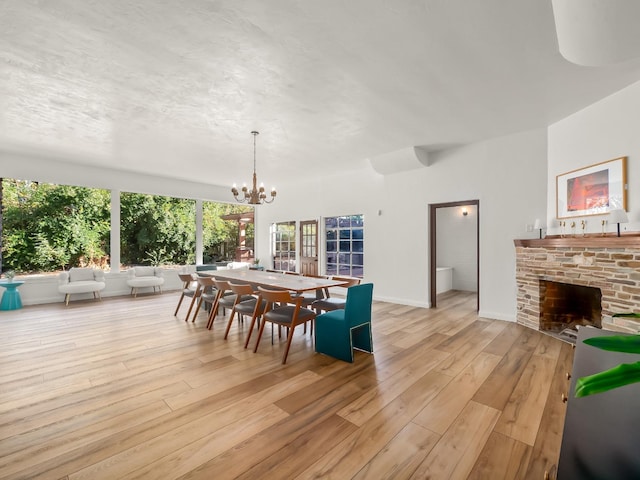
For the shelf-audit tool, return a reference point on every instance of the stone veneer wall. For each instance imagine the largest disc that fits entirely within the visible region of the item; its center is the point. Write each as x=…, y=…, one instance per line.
x=616, y=271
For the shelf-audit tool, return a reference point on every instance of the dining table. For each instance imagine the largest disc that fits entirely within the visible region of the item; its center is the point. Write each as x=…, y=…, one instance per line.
x=273, y=280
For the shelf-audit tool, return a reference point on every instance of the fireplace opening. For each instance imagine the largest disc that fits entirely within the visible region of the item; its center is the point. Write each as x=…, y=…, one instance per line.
x=564, y=307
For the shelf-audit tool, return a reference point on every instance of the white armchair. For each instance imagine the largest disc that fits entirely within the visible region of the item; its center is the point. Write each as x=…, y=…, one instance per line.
x=81, y=280
x=140, y=277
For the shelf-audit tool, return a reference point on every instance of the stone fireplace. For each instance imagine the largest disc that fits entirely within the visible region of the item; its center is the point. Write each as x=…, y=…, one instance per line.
x=567, y=281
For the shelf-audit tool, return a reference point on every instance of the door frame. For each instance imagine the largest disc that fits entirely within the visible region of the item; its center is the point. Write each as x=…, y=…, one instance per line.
x=433, y=208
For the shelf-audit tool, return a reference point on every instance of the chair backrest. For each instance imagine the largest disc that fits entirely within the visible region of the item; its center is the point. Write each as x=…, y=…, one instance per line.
x=277, y=296
x=358, y=307
x=241, y=289
x=206, y=283
x=222, y=285
x=145, y=271
x=80, y=274
x=186, y=277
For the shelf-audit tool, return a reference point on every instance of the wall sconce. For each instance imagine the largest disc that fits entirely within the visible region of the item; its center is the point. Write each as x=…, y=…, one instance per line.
x=465, y=212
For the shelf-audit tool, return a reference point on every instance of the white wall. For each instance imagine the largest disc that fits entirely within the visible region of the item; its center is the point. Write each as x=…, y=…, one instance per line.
x=456, y=245
x=605, y=130
x=508, y=175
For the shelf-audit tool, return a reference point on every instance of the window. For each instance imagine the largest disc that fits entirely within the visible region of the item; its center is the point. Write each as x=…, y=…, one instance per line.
x=345, y=245
x=221, y=238
x=156, y=230
x=284, y=246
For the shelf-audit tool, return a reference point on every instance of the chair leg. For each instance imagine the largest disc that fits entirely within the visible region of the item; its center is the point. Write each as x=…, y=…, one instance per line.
x=179, y=303
x=259, y=335
x=99, y=295
x=286, y=350
x=193, y=300
x=210, y=319
x=214, y=311
x=212, y=314
x=254, y=318
x=361, y=338
x=233, y=312
x=195, y=314
x=66, y=299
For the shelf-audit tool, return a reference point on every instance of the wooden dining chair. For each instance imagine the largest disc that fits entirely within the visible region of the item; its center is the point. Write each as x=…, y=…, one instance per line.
x=188, y=290
x=225, y=299
x=330, y=303
x=208, y=294
x=222, y=289
x=309, y=297
x=282, y=310
x=245, y=304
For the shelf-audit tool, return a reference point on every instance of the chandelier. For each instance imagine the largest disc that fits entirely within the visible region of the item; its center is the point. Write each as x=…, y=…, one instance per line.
x=257, y=195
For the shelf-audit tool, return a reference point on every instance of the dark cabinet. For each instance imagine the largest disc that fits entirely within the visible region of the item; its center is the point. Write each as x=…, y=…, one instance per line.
x=601, y=438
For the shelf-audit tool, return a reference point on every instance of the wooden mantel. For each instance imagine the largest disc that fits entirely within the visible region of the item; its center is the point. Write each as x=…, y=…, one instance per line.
x=594, y=241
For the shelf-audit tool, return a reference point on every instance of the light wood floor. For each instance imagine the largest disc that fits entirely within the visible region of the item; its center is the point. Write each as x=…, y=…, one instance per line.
x=123, y=389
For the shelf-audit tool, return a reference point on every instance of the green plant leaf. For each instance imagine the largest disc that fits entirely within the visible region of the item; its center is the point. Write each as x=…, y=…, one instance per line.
x=619, y=376
x=616, y=343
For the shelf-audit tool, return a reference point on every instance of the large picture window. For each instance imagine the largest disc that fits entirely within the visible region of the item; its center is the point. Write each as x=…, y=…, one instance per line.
x=284, y=246
x=47, y=228
x=344, y=245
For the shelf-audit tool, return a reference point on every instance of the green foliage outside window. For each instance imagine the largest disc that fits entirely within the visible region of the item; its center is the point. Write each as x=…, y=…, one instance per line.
x=156, y=230
x=52, y=227
x=47, y=228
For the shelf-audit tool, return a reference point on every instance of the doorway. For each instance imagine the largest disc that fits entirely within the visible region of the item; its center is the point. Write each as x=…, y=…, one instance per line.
x=433, y=248
x=309, y=247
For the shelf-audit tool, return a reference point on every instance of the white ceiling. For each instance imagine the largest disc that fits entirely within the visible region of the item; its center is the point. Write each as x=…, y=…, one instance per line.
x=175, y=87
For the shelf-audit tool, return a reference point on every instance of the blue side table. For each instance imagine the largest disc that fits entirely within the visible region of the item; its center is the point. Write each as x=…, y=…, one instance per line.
x=11, y=297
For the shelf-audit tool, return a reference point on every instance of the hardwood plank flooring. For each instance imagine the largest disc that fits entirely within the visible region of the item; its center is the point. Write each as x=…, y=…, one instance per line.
x=120, y=388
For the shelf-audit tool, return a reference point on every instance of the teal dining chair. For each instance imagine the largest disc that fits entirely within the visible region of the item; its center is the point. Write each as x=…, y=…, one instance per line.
x=340, y=331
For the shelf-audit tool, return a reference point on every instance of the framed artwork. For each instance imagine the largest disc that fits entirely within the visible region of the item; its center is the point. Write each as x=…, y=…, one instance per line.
x=593, y=190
